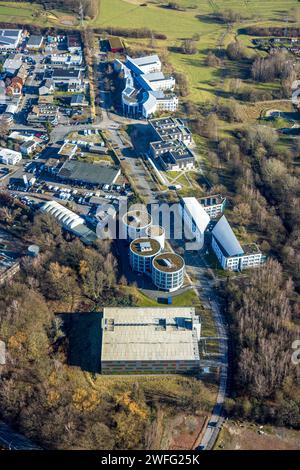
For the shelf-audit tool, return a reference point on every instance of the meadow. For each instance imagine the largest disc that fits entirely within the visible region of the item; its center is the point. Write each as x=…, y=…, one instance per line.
x=179, y=25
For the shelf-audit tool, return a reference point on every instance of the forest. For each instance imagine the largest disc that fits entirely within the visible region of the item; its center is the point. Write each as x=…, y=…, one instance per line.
x=43, y=394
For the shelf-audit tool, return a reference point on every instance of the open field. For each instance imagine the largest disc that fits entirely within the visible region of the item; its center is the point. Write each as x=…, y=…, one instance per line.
x=31, y=13
x=204, y=81
x=249, y=436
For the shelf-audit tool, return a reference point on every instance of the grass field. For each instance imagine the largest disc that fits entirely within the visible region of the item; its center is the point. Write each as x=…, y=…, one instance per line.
x=178, y=25
x=31, y=13
x=204, y=81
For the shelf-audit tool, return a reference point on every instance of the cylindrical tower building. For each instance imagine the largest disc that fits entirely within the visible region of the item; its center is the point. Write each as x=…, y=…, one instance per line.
x=157, y=233
x=168, y=271
x=141, y=254
x=136, y=222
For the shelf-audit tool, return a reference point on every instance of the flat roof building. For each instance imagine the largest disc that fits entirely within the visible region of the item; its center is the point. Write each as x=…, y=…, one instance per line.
x=10, y=38
x=35, y=41
x=146, y=89
x=12, y=65
x=9, y=157
x=168, y=271
x=150, y=340
x=141, y=253
x=173, y=155
x=169, y=128
x=115, y=44
x=95, y=174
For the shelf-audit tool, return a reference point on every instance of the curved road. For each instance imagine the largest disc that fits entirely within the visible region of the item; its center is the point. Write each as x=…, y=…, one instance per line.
x=12, y=440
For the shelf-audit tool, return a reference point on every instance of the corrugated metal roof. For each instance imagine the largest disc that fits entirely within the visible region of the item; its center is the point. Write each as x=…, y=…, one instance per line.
x=224, y=235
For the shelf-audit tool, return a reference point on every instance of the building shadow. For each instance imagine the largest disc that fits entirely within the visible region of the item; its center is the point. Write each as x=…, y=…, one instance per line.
x=84, y=334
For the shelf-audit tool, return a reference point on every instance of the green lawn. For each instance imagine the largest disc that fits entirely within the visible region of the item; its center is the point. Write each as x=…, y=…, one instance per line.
x=177, y=25
x=33, y=13
x=186, y=299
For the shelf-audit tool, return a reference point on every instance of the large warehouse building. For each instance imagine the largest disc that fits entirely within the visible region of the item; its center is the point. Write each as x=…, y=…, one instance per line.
x=150, y=340
x=94, y=174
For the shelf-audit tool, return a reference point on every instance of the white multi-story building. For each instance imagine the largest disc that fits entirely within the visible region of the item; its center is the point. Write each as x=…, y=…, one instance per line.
x=229, y=251
x=214, y=205
x=9, y=157
x=70, y=60
x=170, y=129
x=144, y=65
x=156, y=81
x=146, y=89
x=195, y=220
x=168, y=271
x=141, y=254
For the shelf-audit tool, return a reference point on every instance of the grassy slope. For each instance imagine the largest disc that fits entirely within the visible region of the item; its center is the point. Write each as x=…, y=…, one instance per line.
x=31, y=13
x=178, y=25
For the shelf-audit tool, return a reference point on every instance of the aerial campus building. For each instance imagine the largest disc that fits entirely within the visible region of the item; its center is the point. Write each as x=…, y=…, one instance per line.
x=135, y=223
x=229, y=251
x=196, y=219
x=141, y=254
x=170, y=128
x=168, y=271
x=170, y=145
x=150, y=341
x=214, y=205
x=147, y=90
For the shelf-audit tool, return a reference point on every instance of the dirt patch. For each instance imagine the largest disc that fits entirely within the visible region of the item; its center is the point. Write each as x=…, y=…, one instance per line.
x=179, y=432
x=249, y=436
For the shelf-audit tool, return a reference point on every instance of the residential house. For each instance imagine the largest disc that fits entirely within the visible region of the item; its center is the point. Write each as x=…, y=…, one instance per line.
x=47, y=88
x=15, y=87
x=28, y=147
x=35, y=42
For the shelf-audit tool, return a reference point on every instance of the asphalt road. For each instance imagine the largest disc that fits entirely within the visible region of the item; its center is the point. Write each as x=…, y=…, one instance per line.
x=11, y=440
x=205, y=287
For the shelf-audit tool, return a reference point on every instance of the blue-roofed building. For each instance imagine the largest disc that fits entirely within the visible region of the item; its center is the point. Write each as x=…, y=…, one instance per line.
x=228, y=250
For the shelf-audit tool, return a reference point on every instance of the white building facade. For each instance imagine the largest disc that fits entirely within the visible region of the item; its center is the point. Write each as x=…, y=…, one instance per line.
x=10, y=157
x=229, y=252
